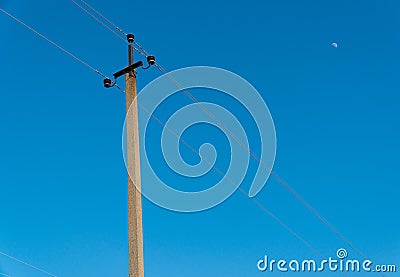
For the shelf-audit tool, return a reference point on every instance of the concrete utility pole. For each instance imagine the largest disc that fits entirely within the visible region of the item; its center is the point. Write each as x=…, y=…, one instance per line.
x=135, y=231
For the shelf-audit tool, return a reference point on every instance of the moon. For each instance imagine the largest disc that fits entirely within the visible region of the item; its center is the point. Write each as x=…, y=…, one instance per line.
x=334, y=44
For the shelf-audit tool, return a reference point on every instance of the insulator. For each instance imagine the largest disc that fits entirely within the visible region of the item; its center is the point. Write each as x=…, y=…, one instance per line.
x=151, y=60
x=107, y=83
x=130, y=38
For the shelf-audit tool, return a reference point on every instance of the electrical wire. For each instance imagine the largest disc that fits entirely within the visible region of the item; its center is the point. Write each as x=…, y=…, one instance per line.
x=306, y=204
x=118, y=87
x=190, y=147
x=98, y=20
x=57, y=46
x=317, y=214
x=27, y=264
x=80, y=61
x=104, y=18
x=143, y=52
x=216, y=169
x=139, y=48
x=219, y=171
x=283, y=183
x=263, y=208
x=158, y=66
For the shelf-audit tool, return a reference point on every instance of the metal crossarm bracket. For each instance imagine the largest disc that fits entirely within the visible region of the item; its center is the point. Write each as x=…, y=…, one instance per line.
x=127, y=69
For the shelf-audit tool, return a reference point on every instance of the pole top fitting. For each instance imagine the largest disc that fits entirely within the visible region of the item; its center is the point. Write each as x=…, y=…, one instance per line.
x=130, y=38
x=151, y=60
x=107, y=83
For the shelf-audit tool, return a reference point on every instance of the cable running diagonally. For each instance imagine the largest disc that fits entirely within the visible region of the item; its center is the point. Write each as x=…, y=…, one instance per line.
x=263, y=208
x=307, y=205
x=188, y=145
x=143, y=52
x=121, y=35
x=58, y=46
x=27, y=264
x=99, y=21
x=104, y=18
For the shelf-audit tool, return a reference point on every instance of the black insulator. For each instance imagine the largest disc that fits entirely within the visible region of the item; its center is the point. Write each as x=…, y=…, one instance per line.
x=107, y=83
x=130, y=38
x=151, y=60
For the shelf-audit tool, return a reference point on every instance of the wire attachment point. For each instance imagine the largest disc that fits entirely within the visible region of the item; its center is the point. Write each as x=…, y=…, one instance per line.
x=151, y=60
x=107, y=83
x=130, y=38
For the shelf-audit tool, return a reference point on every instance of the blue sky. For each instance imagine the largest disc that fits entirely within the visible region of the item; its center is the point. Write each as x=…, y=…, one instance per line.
x=62, y=175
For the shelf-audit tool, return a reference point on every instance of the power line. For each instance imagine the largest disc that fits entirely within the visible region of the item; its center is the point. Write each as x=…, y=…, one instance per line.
x=53, y=43
x=263, y=208
x=316, y=213
x=261, y=162
x=104, y=18
x=27, y=264
x=143, y=52
x=57, y=46
x=139, y=48
x=188, y=145
x=256, y=202
x=99, y=21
